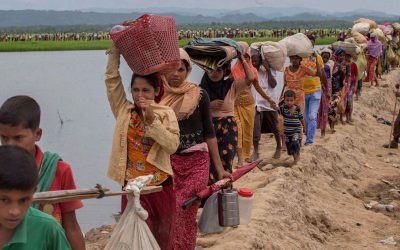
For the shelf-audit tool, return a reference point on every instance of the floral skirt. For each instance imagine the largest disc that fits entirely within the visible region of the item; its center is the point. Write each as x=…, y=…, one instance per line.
x=226, y=132
x=333, y=106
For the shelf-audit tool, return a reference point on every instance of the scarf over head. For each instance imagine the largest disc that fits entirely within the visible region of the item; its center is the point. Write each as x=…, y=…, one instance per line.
x=185, y=98
x=374, y=48
x=216, y=90
x=238, y=71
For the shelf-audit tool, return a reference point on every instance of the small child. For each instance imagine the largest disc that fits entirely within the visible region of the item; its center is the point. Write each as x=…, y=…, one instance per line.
x=352, y=87
x=21, y=226
x=20, y=126
x=292, y=122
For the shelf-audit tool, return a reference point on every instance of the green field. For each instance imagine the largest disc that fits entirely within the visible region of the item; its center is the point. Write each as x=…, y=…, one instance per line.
x=101, y=45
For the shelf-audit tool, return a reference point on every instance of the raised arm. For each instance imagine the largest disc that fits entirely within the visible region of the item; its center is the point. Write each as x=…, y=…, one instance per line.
x=320, y=71
x=115, y=89
x=249, y=75
x=271, y=78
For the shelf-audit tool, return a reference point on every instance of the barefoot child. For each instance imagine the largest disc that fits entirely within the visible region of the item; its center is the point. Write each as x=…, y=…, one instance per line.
x=292, y=122
x=19, y=126
x=21, y=226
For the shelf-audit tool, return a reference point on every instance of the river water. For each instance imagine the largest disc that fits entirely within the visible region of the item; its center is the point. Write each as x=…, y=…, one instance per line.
x=69, y=86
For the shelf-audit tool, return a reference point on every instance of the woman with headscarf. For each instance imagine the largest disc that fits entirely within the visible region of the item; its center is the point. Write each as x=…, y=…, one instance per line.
x=326, y=55
x=337, y=81
x=146, y=134
x=245, y=106
x=312, y=91
x=197, y=145
x=223, y=91
x=374, y=51
x=293, y=77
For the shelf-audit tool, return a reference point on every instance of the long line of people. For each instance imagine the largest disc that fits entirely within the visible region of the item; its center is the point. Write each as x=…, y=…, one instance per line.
x=186, y=135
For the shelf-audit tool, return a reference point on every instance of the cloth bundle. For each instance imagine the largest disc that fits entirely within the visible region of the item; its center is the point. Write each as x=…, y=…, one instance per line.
x=362, y=28
x=298, y=44
x=209, y=54
x=348, y=47
x=275, y=53
x=372, y=24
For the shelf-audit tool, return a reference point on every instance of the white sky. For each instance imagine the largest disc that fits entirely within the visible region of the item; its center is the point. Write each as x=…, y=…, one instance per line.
x=389, y=6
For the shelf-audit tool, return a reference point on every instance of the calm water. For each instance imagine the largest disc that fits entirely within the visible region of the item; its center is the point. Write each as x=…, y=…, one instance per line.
x=70, y=85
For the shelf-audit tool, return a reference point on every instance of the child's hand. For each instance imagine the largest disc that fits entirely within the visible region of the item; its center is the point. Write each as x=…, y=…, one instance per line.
x=304, y=131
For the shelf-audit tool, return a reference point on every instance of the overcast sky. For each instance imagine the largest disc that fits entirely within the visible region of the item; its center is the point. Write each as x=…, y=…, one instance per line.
x=389, y=6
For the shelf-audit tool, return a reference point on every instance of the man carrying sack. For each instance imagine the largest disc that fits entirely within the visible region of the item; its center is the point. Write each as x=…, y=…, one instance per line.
x=396, y=127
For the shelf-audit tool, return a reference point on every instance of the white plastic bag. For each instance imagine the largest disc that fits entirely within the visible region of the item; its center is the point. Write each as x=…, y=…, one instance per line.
x=298, y=44
x=362, y=28
x=132, y=232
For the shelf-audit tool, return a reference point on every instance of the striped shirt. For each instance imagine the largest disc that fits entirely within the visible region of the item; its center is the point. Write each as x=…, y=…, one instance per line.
x=291, y=121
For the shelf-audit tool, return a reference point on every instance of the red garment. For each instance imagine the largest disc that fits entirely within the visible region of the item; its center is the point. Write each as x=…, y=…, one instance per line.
x=63, y=180
x=324, y=106
x=238, y=72
x=372, y=61
x=161, y=209
x=191, y=177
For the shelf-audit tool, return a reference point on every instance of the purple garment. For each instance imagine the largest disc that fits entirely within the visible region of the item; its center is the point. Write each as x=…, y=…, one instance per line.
x=375, y=48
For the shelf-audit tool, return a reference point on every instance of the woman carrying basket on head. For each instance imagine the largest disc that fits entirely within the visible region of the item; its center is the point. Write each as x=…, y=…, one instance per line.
x=197, y=145
x=145, y=136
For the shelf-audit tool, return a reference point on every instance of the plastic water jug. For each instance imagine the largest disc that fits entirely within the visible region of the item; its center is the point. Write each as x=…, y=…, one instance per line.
x=228, y=208
x=246, y=198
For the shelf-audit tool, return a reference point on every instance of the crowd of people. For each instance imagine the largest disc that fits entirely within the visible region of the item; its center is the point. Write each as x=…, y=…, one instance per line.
x=186, y=135
x=182, y=34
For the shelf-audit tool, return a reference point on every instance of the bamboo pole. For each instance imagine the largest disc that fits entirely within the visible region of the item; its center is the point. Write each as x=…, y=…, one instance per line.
x=51, y=197
x=70, y=192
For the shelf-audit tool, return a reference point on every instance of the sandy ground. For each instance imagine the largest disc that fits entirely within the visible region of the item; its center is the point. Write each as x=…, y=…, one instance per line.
x=319, y=203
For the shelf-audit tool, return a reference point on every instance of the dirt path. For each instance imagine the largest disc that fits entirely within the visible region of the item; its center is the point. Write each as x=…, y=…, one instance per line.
x=319, y=203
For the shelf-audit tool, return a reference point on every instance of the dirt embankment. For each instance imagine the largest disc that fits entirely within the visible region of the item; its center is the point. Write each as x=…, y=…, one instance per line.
x=319, y=203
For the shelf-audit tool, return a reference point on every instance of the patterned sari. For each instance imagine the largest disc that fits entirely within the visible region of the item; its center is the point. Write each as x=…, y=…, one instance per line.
x=324, y=106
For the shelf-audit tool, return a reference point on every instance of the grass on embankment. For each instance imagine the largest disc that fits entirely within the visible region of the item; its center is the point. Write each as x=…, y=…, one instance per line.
x=102, y=45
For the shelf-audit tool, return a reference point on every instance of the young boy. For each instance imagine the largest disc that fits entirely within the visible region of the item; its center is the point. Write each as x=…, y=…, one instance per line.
x=19, y=125
x=292, y=122
x=21, y=226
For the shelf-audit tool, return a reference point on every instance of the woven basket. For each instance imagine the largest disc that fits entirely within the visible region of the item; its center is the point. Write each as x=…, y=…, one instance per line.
x=149, y=44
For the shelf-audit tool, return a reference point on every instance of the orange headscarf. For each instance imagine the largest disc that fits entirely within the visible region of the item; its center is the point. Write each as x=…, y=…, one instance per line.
x=238, y=72
x=185, y=98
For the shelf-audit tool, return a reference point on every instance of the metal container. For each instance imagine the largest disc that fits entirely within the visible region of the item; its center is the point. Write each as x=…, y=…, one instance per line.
x=228, y=208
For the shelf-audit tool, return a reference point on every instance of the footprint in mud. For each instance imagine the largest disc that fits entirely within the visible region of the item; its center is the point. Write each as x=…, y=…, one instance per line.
x=286, y=162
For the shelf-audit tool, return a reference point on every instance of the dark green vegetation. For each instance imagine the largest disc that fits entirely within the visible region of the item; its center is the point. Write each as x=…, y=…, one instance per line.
x=100, y=45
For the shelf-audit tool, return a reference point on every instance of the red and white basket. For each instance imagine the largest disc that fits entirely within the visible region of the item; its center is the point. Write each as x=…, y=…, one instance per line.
x=149, y=44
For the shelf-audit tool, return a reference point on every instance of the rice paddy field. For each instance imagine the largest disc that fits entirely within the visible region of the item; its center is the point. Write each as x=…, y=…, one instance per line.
x=21, y=46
